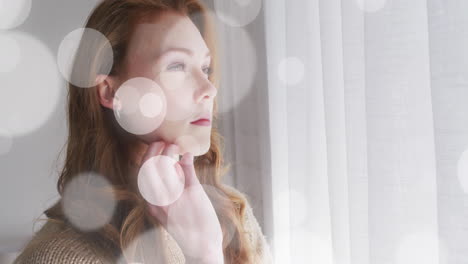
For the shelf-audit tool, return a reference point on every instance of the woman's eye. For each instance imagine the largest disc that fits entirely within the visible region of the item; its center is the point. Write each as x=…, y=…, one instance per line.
x=208, y=70
x=176, y=67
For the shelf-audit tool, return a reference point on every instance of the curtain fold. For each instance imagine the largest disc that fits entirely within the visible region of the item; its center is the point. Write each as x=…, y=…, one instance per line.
x=367, y=118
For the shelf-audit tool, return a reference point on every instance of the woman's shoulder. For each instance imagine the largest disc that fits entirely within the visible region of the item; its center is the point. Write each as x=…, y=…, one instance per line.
x=245, y=197
x=248, y=211
x=236, y=191
x=57, y=243
x=254, y=230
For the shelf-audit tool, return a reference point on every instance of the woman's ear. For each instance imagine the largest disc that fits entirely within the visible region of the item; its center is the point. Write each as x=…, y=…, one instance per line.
x=106, y=88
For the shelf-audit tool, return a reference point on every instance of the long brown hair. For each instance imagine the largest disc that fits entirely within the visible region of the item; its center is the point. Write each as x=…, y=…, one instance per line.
x=95, y=142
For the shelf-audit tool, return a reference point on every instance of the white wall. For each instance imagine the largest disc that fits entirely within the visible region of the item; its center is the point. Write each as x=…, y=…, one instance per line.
x=29, y=169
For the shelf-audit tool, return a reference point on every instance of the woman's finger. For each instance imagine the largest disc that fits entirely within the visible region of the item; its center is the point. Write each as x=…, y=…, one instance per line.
x=189, y=170
x=172, y=151
x=154, y=149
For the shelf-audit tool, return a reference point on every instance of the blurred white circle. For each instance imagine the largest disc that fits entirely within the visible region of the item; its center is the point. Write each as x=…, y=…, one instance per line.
x=148, y=247
x=291, y=71
x=159, y=181
x=237, y=13
x=127, y=100
x=6, y=142
x=297, y=204
x=421, y=247
x=75, y=69
x=85, y=204
x=463, y=170
x=239, y=68
x=10, y=53
x=151, y=105
x=140, y=106
x=13, y=13
x=371, y=6
x=30, y=92
x=176, y=225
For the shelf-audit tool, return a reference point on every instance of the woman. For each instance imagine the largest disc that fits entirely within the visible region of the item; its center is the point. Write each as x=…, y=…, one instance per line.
x=167, y=47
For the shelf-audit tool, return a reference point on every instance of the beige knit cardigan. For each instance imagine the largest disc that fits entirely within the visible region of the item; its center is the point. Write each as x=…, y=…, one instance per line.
x=71, y=248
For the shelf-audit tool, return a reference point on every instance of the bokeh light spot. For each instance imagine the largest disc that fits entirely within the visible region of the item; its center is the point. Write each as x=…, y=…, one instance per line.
x=151, y=105
x=85, y=42
x=237, y=13
x=291, y=71
x=13, y=13
x=159, y=182
x=10, y=53
x=136, y=113
x=88, y=202
x=30, y=91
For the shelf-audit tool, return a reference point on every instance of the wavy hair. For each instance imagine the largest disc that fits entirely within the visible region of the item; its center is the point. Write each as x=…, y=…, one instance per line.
x=96, y=143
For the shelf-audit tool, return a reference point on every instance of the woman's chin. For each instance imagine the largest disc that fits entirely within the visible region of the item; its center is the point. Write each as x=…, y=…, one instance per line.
x=198, y=146
x=203, y=149
x=195, y=149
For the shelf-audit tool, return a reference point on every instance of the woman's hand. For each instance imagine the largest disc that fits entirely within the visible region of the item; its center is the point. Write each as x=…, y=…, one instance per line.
x=191, y=219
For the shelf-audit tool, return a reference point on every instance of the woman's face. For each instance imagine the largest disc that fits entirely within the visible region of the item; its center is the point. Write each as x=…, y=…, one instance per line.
x=170, y=50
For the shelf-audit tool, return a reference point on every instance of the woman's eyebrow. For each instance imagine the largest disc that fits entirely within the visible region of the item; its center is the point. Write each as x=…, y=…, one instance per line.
x=181, y=50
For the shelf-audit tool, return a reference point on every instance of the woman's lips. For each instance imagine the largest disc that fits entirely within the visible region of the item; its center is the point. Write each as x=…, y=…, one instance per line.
x=202, y=122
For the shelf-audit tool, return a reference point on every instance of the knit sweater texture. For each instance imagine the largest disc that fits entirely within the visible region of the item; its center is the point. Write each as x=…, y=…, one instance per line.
x=72, y=248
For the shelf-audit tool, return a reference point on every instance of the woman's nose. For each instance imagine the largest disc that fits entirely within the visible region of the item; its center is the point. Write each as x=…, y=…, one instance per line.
x=206, y=88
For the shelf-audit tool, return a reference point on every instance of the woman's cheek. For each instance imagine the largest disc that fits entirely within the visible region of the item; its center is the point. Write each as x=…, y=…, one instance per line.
x=172, y=80
x=178, y=95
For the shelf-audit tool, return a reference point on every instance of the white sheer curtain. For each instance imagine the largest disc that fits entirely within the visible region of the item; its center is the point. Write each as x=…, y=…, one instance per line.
x=368, y=114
